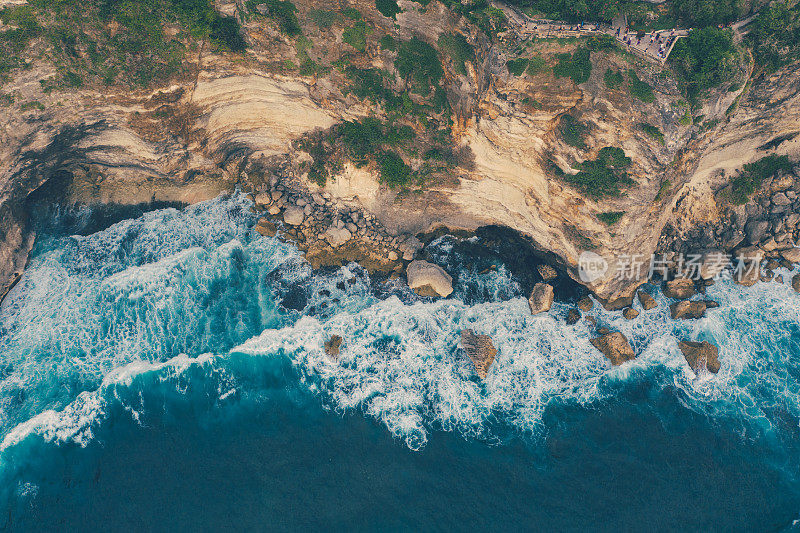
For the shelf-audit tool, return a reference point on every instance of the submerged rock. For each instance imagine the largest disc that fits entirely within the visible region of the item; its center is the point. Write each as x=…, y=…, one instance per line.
x=547, y=272
x=647, y=301
x=332, y=346
x=615, y=347
x=541, y=299
x=422, y=274
x=680, y=288
x=480, y=350
x=573, y=316
x=701, y=354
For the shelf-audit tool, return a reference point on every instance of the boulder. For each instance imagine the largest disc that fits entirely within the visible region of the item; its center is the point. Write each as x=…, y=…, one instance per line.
x=630, y=313
x=332, y=346
x=263, y=198
x=792, y=255
x=615, y=347
x=796, y=282
x=585, y=304
x=756, y=230
x=422, y=273
x=547, y=272
x=679, y=288
x=337, y=236
x=647, y=301
x=266, y=228
x=700, y=354
x=686, y=309
x=573, y=316
x=780, y=198
x=480, y=350
x=294, y=216
x=748, y=269
x=541, y=299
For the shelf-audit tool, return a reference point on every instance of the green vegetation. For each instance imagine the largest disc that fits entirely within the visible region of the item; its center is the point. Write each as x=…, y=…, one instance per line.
x=31, y=106
x=481, y=13
x=137, y=53
x=652, y=131
x=775, y=35
x=574, y=10
x=576, y=66
x=603, y=177
x=613, y=78
x=456, y=47
x=394, y=171
x=356, y=35
x=702, y=13
x=704, y=59
x=418, y=62
x=640, y=89
x=536, y=65
x=352, y=13
x=283, y=12
x=601, y=42
x=388, y=43
x=572, y=131
x=754, y=174
x=518, y=66
x=611, y=217
x=323, y=18
x=663, y=187
x=369, y=83
x=388, y=8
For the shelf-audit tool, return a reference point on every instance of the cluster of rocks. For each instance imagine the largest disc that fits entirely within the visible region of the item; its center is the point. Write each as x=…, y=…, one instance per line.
x=330, y=232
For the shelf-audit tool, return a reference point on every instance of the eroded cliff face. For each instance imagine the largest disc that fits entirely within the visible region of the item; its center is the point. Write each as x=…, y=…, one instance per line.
x=235, y=121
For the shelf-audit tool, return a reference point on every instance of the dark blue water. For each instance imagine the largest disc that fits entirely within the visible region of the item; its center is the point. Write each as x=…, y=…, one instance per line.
x=151, y=379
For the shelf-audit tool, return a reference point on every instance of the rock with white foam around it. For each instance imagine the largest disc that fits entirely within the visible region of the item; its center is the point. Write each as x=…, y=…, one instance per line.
x=541, y=299
x=480, y=350
x=615, y=347
x=422, y=274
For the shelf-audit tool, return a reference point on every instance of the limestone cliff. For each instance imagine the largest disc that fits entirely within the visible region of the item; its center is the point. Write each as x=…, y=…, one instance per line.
x=237, y=120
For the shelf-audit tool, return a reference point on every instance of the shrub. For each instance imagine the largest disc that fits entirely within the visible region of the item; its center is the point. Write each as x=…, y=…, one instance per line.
x=601, y=42
x=754, y=174
x=605, y=176
x=283, y=12
x=572, y=131
x=517, y=66
x=352, y=13
x=394, y=171
x=419, y=62
x=703, y=60
x=640, y=89
x=613, y=78
x=611, y=217
x=652, y=131
x=356, y=35
x=388, y=43
x=775, y=35
x=456, y=47
x=536, y=64
x=323, y=18
x=388, y=8
x=577, y=66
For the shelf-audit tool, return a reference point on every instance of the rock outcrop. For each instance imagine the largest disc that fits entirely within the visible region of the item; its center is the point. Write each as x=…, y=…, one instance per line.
x=332, y=346
x=423, y=274
x=701, y=355
x=681, y=288
x=541, y=298
x=480, y=350
x=647, y=301
x=615, y=347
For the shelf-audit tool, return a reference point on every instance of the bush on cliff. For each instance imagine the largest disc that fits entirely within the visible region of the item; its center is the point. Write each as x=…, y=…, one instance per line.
x=605, y=176
x=703, y=60
x=418, y=63
x=754, y=174
x=577, y=66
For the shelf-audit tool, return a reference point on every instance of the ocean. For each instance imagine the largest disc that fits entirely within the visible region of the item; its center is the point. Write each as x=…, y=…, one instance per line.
x=167, y=372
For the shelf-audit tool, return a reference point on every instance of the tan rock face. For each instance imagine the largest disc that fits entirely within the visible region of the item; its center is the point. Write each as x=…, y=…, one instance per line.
x=701, y=355
x=680, y=288
x=332, y=346
x=541, y=299
x=647, y=301
x=686, y=310
x=480, y=350
x=615, y=347
x=422, y=273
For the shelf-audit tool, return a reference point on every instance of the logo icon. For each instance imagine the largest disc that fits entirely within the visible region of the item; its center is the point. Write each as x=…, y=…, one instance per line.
x=591, y=267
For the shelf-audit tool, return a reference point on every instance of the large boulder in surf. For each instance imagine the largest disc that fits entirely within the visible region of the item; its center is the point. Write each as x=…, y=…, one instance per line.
x=480, y=350
x=422, y=274
x=679, y=288
x=541, y=299
x=332, y=346
x=647, y=301
x=796, y=282
x=615, y=347
x=700, y=355
x=686, y=309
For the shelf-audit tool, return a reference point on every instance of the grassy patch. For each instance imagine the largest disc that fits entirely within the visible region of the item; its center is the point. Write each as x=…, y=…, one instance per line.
x=356, y=35
x=576, y=66
x=323, y=18
x=704, y=59
x=652, y=131
x=536, y=65
x=640, y=89
x=753, y=174
x=517, y=67
x=418, y=63
x=610, y=217
x=388, y=43
x=456, y=47
x=572, y=131
x=32, y=106
x=394, y=171
x=613, y=78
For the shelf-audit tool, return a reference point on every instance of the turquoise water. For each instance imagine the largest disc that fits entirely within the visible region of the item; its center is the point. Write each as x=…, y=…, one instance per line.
x=168, y=373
